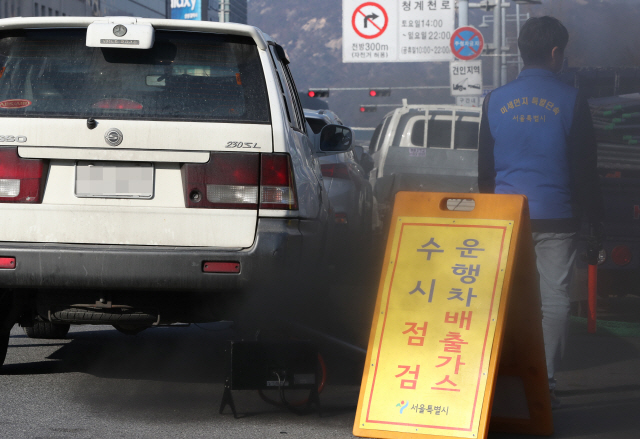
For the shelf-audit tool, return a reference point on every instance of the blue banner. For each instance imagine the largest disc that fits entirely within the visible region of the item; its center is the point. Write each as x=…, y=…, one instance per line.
x=186, y=9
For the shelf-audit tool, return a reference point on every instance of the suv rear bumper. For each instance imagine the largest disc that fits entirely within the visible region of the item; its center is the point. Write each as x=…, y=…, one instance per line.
x=282, y=246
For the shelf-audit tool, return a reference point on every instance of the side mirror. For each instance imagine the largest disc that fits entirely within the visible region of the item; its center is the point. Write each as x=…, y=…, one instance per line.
x=335, y=138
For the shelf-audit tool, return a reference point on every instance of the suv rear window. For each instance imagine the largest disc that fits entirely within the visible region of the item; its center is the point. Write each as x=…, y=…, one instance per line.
x=185, y=76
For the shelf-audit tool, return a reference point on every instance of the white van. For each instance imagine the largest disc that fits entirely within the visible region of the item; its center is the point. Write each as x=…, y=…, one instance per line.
x=430, y=148
x=151, y=172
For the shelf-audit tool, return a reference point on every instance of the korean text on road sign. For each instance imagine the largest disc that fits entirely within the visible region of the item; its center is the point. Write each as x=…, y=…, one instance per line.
x=468, y=101
x=465, y=78
x=385, y=31
x=466, y=43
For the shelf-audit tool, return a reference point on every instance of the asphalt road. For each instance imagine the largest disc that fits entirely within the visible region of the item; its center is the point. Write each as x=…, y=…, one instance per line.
x=168, y=383
x=162, y=383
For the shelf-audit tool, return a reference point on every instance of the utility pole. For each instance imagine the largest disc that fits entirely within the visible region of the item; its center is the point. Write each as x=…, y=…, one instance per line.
x=520, y=63
x=503, y=45
x=497, y=42
x=463, y=13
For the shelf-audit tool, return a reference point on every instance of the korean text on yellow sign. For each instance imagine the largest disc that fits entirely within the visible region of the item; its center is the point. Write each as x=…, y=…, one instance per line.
x=433, y=338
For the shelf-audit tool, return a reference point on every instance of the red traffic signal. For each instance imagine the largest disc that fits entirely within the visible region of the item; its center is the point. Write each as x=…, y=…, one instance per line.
x=368, y=108
x=379, y=92
x=318, y=93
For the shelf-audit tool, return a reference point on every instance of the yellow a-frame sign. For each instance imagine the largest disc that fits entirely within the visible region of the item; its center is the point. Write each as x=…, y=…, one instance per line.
x=457, y=322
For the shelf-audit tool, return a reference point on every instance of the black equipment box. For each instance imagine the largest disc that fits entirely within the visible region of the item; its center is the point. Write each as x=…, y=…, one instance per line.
x=257, y=365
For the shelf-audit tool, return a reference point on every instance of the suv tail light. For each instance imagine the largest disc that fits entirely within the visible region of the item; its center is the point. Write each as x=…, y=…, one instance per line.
x=335, y=170
x=226, y=181
x=277, y=189
x=21, y=180
x=240, y=181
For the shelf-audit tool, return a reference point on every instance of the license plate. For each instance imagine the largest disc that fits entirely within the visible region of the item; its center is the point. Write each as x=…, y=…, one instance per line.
x=114, y=180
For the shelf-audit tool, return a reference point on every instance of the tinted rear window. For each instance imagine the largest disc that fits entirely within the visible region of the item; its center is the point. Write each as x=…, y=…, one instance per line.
x=185, y=76
x=417, y=133
x=439, y=134
x=466, y=135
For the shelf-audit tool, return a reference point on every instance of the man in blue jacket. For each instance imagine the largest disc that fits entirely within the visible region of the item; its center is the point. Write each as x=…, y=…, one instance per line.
x=537, y=139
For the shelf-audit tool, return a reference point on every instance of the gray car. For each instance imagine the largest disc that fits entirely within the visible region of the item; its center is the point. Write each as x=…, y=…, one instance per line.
x=424, y=148
x=346, y=181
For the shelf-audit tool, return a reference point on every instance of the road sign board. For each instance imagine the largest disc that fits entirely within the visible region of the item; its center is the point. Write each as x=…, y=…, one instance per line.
x=187, y=9
x=365, y=20
x=468, y=101
x=392, y=31
x=467, y=43
x=465, y=78
x=453, y=312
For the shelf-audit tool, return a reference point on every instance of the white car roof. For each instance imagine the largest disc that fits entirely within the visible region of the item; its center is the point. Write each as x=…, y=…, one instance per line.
x=260, y=38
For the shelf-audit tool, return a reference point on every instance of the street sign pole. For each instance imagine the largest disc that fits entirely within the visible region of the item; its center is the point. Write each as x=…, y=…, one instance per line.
x=463, y=13
x=466, y=73
x=497, y=40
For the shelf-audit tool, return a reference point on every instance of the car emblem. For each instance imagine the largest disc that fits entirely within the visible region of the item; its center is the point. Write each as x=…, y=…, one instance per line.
x=113, y=137
x=119, y=30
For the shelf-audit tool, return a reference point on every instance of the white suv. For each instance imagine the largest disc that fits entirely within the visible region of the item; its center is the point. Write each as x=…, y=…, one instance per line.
x=151, y=172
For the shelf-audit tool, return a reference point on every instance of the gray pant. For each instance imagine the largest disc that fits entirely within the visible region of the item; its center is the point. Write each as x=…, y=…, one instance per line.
x=555, y=256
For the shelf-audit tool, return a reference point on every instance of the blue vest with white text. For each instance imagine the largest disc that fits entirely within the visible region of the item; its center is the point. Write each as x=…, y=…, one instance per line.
x=530, y=120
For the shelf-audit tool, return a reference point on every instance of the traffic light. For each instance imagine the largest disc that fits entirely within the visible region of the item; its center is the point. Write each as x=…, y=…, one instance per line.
x=368, y=108
x=318, y=93
x=379, y=92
